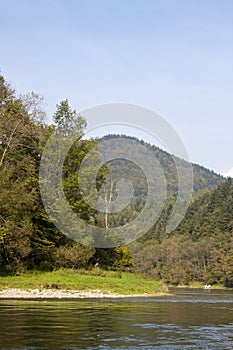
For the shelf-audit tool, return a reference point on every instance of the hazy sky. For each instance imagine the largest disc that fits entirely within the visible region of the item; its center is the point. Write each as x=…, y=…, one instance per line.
x=175, y=57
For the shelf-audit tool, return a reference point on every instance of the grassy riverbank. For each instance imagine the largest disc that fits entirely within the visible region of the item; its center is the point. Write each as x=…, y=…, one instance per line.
x=96, y=279
x=200, y=285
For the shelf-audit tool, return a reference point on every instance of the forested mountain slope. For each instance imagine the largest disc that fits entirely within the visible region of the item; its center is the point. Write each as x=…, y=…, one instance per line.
x=203, y=177
x=201, y=248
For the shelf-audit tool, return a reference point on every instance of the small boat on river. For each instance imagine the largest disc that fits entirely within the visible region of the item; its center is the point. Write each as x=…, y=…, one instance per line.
x=206, y=286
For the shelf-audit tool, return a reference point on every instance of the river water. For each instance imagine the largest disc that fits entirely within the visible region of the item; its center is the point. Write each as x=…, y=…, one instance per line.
x=189, y=319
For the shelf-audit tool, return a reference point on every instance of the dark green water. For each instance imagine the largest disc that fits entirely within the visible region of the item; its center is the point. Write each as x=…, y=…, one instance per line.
x=190, y=319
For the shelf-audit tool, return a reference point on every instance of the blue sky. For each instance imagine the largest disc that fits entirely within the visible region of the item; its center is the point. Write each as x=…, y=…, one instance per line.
x=175, y=57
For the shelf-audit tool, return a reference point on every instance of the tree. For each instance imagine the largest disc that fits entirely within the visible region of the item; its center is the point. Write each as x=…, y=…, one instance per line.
x=67, y=120
x=19, y=155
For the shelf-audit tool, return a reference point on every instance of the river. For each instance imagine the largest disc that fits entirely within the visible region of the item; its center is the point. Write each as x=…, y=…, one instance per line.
x=189, y=319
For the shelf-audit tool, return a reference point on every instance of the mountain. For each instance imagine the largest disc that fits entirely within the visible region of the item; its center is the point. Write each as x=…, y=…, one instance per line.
x=203, y=177
x=204, y=180
x=201, y=248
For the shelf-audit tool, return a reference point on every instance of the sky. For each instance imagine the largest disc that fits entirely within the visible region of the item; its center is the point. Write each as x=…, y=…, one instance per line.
x=172, y=56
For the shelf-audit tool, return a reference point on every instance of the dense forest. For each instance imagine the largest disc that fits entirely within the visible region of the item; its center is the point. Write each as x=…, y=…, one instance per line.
x=200, y=249
x=28, y=238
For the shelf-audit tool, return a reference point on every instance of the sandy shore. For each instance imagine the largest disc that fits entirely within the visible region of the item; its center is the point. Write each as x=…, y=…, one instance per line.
x=14, y=293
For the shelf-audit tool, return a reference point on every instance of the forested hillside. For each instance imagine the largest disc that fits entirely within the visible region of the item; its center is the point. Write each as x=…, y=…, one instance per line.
x=200, y=249
x=203, y=177
x=204, y=180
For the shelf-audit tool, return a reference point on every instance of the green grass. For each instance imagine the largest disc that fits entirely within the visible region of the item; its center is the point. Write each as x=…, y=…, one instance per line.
x=113, y=281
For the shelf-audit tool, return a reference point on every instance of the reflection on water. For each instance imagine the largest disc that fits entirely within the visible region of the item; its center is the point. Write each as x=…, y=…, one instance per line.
x=190, y=319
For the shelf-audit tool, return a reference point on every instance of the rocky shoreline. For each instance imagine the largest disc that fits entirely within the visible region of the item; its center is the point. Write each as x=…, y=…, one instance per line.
x=14, y=293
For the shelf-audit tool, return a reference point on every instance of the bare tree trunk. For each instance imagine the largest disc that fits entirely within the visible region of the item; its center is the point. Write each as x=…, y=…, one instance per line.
x=9, y=142
x=107, y=199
